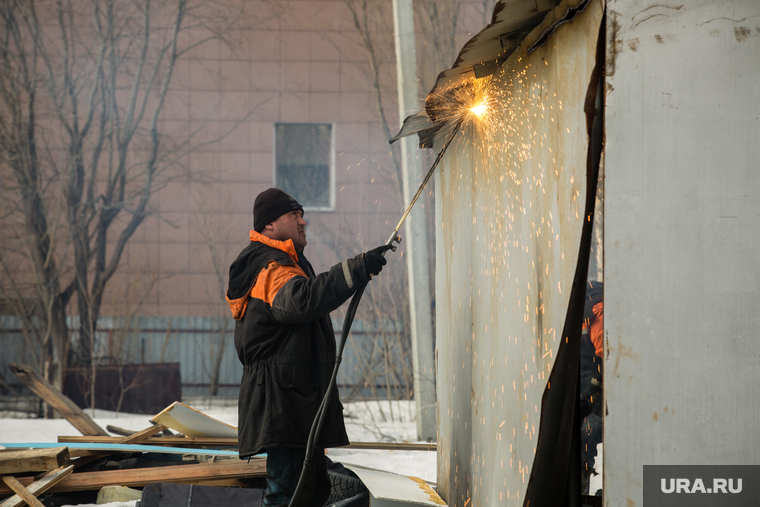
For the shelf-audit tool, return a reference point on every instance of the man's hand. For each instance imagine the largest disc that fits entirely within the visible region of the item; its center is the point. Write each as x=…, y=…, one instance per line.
x=591, y=400
x=374, y=260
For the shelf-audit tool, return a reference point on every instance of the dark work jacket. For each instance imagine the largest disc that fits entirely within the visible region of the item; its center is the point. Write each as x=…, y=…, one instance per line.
x=285, y=340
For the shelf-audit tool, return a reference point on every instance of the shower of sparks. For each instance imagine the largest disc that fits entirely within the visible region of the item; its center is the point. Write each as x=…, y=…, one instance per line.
x=507, y=163
x=507, y=193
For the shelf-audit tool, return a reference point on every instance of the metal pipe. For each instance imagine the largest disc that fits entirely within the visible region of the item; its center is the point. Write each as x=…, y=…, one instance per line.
x=394, y=235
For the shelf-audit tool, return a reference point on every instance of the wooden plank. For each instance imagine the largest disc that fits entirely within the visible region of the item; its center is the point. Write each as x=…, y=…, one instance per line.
x=33, y=460
x=391, y=446
x=221, y=483
x=119, y=431
x=40, y=486
x=138, y=477
x=21, y=491
x=88, y=454
x=74, y=448
x=125, y=433
x=170, y=441
x=56, y=399
x=233, y=442
x=142, y=435
x=81, y=461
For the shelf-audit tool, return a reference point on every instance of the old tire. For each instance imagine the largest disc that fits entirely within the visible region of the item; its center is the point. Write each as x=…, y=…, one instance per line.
x=344, y=486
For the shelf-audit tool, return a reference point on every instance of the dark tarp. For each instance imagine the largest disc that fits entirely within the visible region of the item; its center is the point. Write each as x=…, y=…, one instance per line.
x=190, y=495
x=555, y=478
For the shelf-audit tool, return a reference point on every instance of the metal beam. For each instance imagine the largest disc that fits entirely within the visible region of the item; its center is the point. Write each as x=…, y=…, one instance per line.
x=416, y=235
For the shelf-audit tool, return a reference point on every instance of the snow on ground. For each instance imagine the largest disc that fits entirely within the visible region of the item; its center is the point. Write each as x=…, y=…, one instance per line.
x=382, y=421
x=367, y=421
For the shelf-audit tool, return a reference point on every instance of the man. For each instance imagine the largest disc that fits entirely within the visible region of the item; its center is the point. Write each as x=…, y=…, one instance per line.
x=592, y=350
x=285, y=340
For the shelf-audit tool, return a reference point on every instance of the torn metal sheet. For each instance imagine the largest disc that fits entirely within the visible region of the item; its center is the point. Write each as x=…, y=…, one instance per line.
x=387, y=489
x=511, y=22
x=569, y=15
x=510, y=207
x=420, y=124
x=193, y=423
x=412, y=125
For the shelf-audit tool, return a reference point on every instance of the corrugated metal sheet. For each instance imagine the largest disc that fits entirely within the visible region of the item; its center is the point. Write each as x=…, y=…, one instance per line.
x=134, y=388
x=682, y=271
x=510, y=23
x=481, y=56
x=13, y=349
x=510, y=203
x=374, y=364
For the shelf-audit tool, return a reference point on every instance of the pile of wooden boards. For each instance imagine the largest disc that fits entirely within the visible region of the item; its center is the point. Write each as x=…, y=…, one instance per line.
x=57, y=464
x=207, y=446
x=54, y=462
x=15, y=466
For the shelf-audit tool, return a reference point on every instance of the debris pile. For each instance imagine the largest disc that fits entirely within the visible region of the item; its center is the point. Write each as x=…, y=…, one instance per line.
x=182, y=458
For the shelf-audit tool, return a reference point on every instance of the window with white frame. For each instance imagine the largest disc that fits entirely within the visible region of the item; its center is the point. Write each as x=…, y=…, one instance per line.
x=304, y=163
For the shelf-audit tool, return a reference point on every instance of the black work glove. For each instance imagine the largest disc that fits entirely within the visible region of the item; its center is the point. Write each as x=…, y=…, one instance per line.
x=374, y=260
x=591, y=399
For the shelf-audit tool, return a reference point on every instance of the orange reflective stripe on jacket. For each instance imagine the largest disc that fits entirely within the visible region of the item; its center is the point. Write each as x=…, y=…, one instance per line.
x=271, y=280
x=596, y=329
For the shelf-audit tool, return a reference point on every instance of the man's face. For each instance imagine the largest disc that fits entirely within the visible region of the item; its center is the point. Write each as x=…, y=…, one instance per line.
x=290, y=226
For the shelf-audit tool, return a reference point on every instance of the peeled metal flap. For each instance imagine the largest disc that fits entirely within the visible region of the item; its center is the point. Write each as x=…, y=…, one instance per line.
x=414, y=124
x=193, y=423
x=387, y=489
x=512, y=20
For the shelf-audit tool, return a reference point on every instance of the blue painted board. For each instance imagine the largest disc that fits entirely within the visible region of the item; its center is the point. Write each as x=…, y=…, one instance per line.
x=122, y=448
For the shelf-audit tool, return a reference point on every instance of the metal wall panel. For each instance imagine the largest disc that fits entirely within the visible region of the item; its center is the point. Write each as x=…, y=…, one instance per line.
x=14, y=349
x=510, y=203
x=374, y=362
x=682, y=270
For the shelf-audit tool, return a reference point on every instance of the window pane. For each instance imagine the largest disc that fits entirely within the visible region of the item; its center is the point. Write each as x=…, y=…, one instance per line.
x=303, y=162
x=309, y=184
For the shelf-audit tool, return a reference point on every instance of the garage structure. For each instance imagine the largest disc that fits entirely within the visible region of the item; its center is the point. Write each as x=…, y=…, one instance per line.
x=515, y=199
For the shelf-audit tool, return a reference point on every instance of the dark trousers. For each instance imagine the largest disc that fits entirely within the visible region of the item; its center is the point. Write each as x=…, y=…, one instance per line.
x=284, y=466
x=592, y=425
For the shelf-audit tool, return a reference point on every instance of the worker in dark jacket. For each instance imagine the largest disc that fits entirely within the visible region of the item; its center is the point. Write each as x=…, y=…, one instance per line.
x=591, y=368
x=285, y=340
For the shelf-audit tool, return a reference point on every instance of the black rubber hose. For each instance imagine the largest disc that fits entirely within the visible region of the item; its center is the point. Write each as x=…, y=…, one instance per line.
x=319, y=418
x=316, y=426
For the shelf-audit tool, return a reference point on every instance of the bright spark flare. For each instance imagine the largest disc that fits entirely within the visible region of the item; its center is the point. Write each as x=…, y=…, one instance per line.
x=480, y=109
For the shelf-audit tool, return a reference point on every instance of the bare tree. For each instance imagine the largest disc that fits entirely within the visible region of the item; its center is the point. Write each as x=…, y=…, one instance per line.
x=375, y=33
x=442, y=33
x=437, y=23
x=215, y=232
x=380, y=359
x=83, y=85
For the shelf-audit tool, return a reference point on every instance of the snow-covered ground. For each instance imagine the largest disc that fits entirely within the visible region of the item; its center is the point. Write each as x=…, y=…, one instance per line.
x=369, y=421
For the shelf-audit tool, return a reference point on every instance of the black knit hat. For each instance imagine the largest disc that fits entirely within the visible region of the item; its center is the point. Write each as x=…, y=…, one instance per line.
x=270, y=205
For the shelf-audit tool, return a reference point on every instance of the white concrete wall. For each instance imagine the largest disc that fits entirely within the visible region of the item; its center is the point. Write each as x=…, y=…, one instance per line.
x=682, y=238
